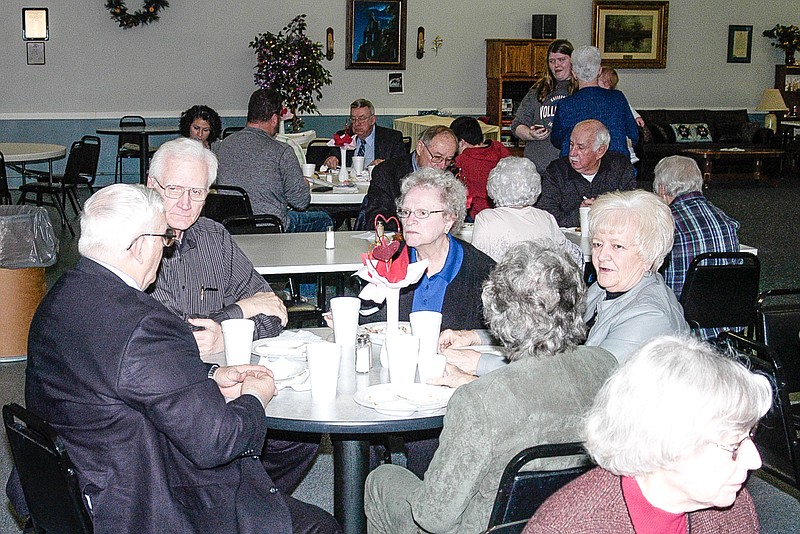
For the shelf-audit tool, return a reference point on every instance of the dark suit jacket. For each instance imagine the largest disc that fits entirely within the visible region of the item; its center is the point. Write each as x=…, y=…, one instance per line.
x=157, y=447
x=388, y=145
x=462, y=308
x=384, y=188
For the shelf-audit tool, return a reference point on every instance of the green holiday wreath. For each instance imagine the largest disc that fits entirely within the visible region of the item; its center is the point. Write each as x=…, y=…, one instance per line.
x=148, y=13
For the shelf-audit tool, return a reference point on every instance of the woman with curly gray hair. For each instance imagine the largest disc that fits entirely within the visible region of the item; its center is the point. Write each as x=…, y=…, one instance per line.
x=533, y=302
x=431, y=207
x=672, y=433
x=515, y=186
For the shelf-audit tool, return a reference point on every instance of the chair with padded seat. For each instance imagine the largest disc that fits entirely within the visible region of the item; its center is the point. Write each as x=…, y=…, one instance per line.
x=777, y=436
x=229, y=130
x=777, y=326
x=297, y=307
x=48, y=478
x=128, y=144
x=720, y=290
x=317, y=151
x=224, y=201
x=5, y=193
x=521, y=492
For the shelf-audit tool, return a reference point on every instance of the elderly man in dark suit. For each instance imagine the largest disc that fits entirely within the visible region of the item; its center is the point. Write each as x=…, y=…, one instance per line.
x=374, y=142
x=146, y=422
x=436, y=148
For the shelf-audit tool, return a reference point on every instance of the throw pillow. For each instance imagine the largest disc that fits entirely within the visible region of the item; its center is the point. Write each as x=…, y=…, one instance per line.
x=701, y=132
x=683, y=133
x=748, y=130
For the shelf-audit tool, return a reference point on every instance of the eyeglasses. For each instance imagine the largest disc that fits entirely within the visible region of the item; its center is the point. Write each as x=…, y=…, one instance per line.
x=437, y=158
x=734, y=449
x=419, y=214
x=168, y=237
x=196, y=194
x=359, y=120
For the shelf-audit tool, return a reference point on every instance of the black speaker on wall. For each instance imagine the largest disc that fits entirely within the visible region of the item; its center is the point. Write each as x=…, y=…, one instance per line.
x=544, y=27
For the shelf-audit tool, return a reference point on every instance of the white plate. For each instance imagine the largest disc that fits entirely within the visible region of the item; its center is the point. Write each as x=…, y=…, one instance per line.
x=403, y=400
x=377, y=331
x=280, y=348
x=283, y=369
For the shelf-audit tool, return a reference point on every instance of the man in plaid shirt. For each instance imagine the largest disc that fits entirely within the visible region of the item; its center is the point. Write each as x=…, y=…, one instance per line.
x=700, y=226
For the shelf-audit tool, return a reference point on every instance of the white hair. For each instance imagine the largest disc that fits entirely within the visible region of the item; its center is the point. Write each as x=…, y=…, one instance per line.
x=514, y=182
x=678, y=175
x=183, y=148
x=586, y=63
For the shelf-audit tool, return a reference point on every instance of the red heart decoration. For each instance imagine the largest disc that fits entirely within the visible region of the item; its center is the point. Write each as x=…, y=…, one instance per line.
x=386, y=252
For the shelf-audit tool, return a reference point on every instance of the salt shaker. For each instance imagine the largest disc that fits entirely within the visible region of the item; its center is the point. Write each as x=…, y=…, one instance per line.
x=329, y=238
x=363, y=353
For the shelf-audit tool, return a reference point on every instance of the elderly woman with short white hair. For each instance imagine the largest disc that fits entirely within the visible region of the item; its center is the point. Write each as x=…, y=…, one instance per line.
x=515, y=186
x=671, y=432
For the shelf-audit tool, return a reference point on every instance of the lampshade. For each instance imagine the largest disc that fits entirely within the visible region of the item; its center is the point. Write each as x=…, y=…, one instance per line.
x=771, y=100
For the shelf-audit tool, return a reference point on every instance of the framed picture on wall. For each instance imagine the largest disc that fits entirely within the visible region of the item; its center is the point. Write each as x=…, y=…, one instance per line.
x=394, y=81
x=376, y=34
x=740, y=43
x=631, y=35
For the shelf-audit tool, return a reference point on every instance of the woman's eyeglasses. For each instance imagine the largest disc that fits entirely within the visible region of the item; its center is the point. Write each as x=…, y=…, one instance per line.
x=734, y=449
x=168, y=238
x=419, y=214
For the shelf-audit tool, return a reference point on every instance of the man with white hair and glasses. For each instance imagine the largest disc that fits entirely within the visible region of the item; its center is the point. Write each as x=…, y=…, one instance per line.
x=162, y=442
x=593, y=102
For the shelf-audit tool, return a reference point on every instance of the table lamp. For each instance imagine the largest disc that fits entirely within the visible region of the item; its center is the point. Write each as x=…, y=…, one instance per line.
x=771, y=100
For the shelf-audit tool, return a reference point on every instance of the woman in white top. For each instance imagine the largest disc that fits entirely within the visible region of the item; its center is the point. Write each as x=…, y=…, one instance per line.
x=514, y=185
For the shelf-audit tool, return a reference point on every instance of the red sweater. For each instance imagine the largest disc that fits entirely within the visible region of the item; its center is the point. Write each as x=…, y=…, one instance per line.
x=476, y=163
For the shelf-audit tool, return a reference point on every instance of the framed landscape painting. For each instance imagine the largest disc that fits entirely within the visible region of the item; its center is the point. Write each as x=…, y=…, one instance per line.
x=376, y=34
x=631, y=35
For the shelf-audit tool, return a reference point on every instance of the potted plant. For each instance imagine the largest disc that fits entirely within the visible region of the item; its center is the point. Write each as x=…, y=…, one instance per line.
x=787, y=38
x=291, y=64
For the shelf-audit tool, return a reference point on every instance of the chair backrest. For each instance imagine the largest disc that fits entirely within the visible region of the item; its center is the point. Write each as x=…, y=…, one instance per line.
x=777, y=326
x=776, y=436
x=225, y=201
x=253, y=224
x=299, y=153
x=230, y=129
x=317, y=151
x=522, y=492
x=721, y=289
x=48, y=477
x=5, y=194
x=130, y=120
x=407, y=143
x=82, y=162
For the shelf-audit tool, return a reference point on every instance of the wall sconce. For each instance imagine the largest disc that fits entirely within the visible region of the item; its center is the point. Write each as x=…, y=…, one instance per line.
x=420, y=42
x=329, y=44
x=35, y=24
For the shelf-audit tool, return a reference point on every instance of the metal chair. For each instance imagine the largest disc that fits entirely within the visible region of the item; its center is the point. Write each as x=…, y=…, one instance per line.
x=84, y=172
x=253, y=224
x=777, y=435
x=777, y=326
x=48, y=478
x=229, y=130
x=128, y=144
x=317, y=151
x=5, y=194
x=721, y=289
x=520, y=493
x=224, y=201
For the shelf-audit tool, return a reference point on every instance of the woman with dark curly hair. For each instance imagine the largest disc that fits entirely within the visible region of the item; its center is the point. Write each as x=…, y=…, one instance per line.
x=201, y=123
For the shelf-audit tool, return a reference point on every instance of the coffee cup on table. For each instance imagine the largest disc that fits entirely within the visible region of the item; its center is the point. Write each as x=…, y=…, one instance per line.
x=402, y=352
x=430, y=366
x=323, y=364
x=308, y=169
x=358, y=164
x=237, y=334
x=344, y=312
x=426, y=326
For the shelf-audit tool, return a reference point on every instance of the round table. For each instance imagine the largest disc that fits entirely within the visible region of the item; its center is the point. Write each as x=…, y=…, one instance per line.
x=31, y=152
x=143, y=133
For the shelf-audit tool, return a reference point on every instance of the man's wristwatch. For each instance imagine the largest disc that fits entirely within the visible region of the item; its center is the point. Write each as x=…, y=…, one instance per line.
x=212, y=370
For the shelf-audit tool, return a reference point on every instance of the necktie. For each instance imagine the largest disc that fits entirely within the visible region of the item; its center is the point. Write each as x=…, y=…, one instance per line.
x=361, y=149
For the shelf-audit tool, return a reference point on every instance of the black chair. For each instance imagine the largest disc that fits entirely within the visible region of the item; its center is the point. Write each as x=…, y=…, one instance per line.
x=46, y=474
x=777, y=326
x=225, y=201
x=777, y=435
x=253, y=224
x=522, y=492
x=407, y=143
x=84, y=172
x=721, y=289
x=229, y=130
x=5, y=194
x=317, y=151
x=128, y=144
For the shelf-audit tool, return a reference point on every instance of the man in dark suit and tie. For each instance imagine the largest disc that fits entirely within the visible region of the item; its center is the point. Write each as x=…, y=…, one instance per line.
x=162, y=441
x=374, y=142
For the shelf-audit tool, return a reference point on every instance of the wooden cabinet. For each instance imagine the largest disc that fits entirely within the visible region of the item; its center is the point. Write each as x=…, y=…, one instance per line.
x=787, y=79
x=512, y=66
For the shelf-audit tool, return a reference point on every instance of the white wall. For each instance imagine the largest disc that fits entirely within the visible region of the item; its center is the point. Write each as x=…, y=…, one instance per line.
x=198, y=53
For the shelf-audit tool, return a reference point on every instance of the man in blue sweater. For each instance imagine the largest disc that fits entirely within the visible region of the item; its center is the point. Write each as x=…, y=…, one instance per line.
x=593, y=102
